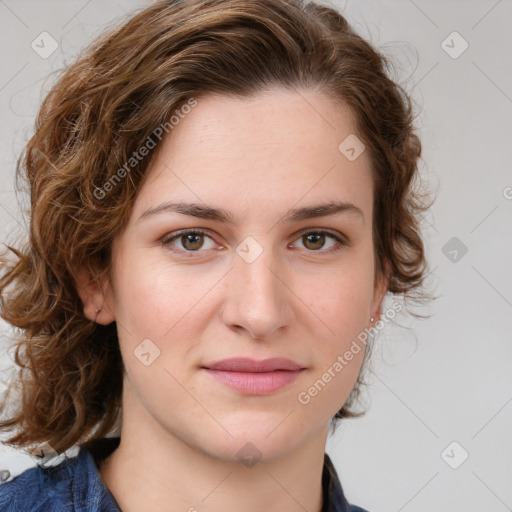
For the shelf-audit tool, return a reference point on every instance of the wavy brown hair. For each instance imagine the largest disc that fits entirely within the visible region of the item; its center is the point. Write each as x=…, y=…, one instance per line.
x=97, y=114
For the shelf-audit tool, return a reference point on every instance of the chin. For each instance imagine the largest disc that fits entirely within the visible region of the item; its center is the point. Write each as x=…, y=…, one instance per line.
x=256, y=440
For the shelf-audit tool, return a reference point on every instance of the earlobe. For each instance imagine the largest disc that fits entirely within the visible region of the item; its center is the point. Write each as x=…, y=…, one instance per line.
x=381, y=287
x=93, y=295
x=376, y=312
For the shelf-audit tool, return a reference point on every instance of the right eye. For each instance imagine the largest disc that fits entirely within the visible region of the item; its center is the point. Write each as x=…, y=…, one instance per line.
x=191, y=240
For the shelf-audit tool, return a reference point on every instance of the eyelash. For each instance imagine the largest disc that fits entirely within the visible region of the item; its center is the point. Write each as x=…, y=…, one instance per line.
x=166, y=240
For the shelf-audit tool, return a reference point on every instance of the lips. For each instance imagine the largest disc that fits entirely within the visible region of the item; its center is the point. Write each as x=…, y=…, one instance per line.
x=252, y=377
x=242, y=364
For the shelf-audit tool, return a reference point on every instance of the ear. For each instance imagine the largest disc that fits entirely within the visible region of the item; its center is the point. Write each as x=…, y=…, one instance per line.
x=380, y=289
x=95, y=296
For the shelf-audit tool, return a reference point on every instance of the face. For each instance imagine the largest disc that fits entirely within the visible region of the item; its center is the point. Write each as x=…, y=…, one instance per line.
x=260, y=274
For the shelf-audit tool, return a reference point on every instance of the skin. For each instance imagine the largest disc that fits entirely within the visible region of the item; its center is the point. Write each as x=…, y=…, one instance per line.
x=256, y=158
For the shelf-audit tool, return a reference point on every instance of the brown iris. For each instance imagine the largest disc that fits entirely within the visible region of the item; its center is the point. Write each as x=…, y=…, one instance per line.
x=317, y=240
x=192, y=241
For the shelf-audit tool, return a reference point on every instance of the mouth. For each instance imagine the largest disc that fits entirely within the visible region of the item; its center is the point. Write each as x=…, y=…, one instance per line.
x=252, y=377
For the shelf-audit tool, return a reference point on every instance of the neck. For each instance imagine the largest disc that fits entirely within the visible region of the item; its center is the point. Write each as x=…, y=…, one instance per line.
x=154, y=469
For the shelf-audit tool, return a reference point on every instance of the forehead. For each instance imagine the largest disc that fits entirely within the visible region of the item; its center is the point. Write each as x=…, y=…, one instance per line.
x=272, y=118
x=274, y=146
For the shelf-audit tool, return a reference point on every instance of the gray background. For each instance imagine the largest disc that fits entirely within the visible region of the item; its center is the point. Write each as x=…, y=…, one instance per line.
x=438, y=380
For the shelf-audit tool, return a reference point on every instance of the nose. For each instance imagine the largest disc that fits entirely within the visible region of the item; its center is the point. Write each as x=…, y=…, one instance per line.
x=258, y=297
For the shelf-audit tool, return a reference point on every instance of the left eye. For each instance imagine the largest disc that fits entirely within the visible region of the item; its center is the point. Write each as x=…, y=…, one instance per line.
x=315, y=240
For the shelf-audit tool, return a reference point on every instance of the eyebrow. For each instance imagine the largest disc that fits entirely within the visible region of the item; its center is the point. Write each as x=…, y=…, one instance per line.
x=203, y=211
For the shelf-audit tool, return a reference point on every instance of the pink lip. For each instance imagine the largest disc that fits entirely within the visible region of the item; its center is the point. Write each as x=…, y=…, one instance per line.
x=253, y=377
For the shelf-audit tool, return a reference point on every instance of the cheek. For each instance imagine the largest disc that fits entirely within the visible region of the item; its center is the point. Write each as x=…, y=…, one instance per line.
x=340, y=303
x=153, y=296
x=340, y=310
x=170, y=305
x=156, y=320
x=341, y=299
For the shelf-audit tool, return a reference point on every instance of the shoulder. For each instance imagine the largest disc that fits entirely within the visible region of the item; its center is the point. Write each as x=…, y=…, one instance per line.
x=334, y=497
x=70, y=486
x=74, y=485
x=39, y=488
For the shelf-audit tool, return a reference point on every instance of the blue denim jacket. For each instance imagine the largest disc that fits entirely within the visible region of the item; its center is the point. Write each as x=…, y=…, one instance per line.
x=75, y=485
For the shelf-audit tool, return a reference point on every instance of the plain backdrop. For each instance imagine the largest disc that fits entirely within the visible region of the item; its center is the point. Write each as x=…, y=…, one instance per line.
x=434, y=437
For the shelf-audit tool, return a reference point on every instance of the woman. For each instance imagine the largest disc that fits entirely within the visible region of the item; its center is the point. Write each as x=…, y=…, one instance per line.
x=221, y=197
